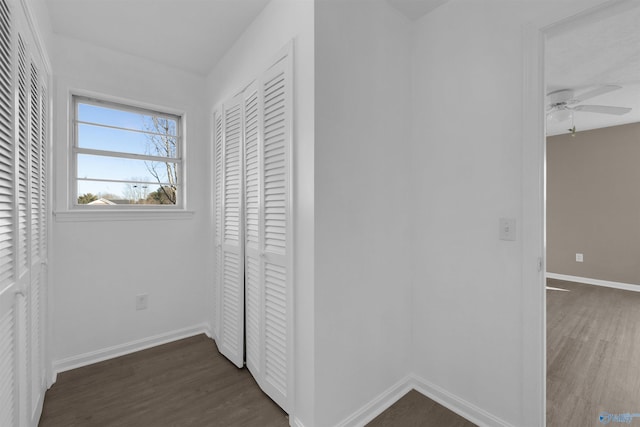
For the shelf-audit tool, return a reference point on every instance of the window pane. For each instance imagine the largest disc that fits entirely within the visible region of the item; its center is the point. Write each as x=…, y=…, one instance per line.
x=121, y=133
x=126, y=119
x=122, y=169
x=108, y=139
x=117, y=193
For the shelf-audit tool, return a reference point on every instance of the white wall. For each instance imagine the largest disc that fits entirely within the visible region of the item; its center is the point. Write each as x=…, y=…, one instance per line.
x=466, y=305
x=99, y=266
x=469, y=295
x=39, y=14
x=362, y=189
x=279, y=23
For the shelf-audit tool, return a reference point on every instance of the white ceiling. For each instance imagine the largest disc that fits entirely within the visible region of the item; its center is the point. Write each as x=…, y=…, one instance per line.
x=597, y=50
x=415, y=9
x=194, y=35
x=189, y=34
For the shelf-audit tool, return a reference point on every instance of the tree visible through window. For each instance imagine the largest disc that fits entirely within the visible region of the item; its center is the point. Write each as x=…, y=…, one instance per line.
x=125, y=155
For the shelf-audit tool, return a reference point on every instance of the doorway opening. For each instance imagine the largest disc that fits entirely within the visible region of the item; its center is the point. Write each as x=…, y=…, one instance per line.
x=592, y=217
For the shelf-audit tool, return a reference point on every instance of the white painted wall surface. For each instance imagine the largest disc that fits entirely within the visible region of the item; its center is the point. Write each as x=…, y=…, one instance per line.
x=40, y=14
x=362, y=189
x=279, y=23
x=98, y=267
x=466, y=156
x=467, y=152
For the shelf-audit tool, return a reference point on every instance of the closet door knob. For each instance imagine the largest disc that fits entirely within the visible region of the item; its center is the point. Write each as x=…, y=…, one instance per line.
x=20, y=290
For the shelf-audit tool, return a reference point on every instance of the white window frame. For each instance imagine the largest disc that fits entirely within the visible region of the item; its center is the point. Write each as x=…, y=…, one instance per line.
x=124, y=105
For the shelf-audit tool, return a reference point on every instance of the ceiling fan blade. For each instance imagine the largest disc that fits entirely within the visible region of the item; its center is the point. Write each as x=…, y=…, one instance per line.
x=602, y=109
x=601, y=90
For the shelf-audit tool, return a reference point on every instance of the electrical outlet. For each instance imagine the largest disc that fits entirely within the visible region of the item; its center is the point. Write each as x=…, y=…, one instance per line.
x=142, y=301
x=579, y=258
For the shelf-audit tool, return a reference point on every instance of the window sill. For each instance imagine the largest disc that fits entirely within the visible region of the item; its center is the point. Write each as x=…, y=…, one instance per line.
x=122, y=215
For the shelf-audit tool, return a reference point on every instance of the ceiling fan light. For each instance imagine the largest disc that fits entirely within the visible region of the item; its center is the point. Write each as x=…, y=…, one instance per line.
x=560, y=115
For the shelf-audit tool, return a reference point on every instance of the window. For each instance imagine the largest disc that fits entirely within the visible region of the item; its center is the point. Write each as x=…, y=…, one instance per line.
x=125, y=156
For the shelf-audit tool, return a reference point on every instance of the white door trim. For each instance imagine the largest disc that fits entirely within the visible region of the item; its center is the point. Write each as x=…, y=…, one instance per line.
x=533, y=188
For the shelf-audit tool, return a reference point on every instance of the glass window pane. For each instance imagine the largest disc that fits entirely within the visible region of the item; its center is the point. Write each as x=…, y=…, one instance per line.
x=121, y=132
x=122, y=169
x=126, y=119
x=118, y=193
x=123, y=141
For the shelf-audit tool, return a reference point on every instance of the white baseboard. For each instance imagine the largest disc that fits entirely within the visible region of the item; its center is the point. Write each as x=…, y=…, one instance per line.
x=386, y=399
x=460, y=406
x=208, y=331
x=596, y=282
x=126, y=348
x=37, y=411
x=378, y=405
x=295, y=422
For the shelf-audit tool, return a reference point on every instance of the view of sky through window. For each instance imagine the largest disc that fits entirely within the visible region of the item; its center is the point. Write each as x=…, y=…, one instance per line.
x=126, y=155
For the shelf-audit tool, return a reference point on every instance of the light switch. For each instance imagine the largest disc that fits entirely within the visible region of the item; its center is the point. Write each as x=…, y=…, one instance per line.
x=508, y=229
x=579, y=258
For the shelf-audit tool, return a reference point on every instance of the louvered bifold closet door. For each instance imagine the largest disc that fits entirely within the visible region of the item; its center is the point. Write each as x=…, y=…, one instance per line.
x=40, y=383
x=253, y=223
x=276, y=233
x=22, y=260
x=7, y=242
x=9, y=409
x=232, y=281
x=35, y=250
x=44, y=225
x=217, y=215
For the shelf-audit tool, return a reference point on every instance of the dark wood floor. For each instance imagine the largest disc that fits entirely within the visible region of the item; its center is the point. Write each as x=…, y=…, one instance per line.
x=188, y=383
x=184, y=383
x=593, y=354
x=416, y=410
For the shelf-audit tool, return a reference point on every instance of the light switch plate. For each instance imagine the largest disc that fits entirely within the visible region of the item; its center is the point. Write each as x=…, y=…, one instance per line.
x=508, y=229
x=579, y=258
x=142, y=301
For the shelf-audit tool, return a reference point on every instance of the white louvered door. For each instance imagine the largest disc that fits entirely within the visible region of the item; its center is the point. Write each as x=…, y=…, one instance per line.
x=276, y=233
x=23, y=207
x=22, y=260
x=9, y=405
x=231, y=292
x=256, y=126
x=36, y=209
x=217, y=214
x=254, y=269
x=9, y=391
x=7, y=152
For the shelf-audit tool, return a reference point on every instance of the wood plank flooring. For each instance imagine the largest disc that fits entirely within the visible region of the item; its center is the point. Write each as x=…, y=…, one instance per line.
x=188, y=383
x=416, y=410
x=183, y=383
x=593, y=354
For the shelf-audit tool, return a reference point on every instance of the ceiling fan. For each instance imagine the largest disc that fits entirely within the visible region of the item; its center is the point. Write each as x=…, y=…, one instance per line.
x=562, y=103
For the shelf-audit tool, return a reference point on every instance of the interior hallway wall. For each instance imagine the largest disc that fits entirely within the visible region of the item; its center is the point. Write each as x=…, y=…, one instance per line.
x=468, y=172
x=99, y=266
x=362, y=259
x=466, y=163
